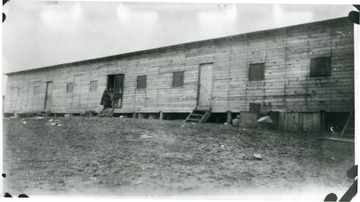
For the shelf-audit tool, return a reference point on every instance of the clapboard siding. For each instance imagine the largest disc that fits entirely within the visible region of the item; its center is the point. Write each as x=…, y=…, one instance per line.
x=287, y=85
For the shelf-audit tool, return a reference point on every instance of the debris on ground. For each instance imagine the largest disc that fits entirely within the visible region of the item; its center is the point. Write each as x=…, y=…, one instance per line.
x=265, y=122
x=88, y=113
x=122, y=117
x=146, y=136
x=235, y=122
x=39, y=117
x=15, y=116
x=53, y=122
x=68, y=115
x=265, y=119
x=257, y=156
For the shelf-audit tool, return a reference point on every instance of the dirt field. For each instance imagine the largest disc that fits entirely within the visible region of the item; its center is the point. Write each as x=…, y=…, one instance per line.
x=137, y=157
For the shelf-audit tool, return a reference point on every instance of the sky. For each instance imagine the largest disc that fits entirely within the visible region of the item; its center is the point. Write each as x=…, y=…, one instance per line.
x=38, y=34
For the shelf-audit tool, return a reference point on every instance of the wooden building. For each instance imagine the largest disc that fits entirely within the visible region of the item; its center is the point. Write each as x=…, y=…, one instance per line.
x=305, y=72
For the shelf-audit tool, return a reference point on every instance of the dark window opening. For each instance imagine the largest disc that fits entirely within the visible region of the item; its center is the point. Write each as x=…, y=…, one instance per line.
x=141, y=82
x=320, y=67
x=178, y=79
x=69, y=87
x=256, y=72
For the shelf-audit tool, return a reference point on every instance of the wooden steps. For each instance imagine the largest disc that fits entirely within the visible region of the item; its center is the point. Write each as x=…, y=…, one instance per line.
x=199, y=115
x=108, y=112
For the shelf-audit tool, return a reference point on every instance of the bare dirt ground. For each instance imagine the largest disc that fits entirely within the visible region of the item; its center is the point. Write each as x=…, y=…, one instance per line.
x=137, y=157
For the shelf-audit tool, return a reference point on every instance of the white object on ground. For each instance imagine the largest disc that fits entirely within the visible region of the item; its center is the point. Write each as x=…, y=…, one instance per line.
x=265, y=119
x=145, y=136
x=258, y=156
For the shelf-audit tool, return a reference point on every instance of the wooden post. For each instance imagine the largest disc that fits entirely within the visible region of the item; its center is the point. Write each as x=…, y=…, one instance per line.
x=161, y=116
x=228, y=117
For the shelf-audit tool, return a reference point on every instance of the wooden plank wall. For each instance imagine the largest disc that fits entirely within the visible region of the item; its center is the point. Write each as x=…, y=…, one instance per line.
x=287, y=86
x=301, y=121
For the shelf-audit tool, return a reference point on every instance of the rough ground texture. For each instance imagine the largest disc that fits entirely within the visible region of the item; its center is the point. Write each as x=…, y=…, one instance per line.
x=137, y=157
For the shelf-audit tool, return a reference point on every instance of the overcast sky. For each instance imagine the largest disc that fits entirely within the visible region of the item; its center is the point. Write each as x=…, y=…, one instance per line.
x=38, y=34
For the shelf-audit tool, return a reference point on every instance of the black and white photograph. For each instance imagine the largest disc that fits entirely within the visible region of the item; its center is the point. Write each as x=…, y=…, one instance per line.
x=253, y=101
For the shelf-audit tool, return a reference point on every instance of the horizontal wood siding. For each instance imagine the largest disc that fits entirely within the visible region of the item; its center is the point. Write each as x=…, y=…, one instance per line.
x=287, y=85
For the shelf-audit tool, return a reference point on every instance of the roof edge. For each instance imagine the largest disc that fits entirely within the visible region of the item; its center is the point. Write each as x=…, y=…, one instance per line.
x=175, y=45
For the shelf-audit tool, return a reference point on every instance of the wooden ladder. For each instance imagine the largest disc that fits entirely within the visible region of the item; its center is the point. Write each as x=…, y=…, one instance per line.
x=199, y=115
x=108, y=112
x=349, y=128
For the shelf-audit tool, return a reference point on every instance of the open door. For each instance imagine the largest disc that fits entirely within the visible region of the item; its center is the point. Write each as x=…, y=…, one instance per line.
x=48, y=96
x=116, y=82
x=205, y=85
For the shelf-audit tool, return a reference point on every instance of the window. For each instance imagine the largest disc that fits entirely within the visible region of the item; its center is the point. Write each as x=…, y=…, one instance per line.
x=69, y=88
x=36, y=90
x=256, y=72
x=141, y=82
x=93, y=86
x=320, y=67
x=36, y=85
x=255, y=107
x=178, y=79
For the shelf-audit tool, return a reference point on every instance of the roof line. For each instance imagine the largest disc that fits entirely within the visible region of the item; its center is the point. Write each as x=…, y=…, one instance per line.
x=175, y=45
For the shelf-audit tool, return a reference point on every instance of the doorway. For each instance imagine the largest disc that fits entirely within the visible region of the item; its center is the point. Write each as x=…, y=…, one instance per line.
x=116, y=83
x=205, y=85
x=48, y=96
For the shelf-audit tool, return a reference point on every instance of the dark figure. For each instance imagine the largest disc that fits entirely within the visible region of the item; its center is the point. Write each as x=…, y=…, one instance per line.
x=106, y=99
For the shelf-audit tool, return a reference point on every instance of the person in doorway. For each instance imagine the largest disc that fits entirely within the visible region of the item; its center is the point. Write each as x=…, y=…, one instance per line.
x=106, y=99
x=111, y=94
